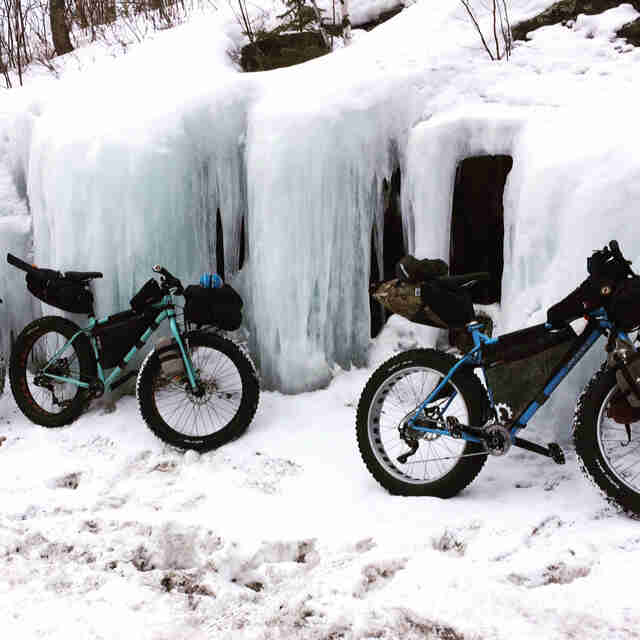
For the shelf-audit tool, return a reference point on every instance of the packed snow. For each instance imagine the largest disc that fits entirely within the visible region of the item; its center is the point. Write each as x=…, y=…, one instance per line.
x=106, y=533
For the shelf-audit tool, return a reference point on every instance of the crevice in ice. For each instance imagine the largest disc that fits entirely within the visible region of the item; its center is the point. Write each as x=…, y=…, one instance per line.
x=385, y=254
x=378, y=312
x=219, y=246
x=243, y=241
x=477, y=222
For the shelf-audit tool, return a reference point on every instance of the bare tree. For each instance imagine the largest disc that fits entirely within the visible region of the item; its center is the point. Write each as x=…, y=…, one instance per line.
x=323, y=31
x=59, y=27
x=500, y=42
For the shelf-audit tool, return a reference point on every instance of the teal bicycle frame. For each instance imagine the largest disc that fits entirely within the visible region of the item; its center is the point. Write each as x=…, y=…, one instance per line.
x=166, y=311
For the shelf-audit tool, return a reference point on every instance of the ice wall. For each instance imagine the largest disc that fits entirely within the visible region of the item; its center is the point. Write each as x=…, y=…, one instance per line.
x=314, y=194
x=571, y=190
x=129, y=166
x=16, y=234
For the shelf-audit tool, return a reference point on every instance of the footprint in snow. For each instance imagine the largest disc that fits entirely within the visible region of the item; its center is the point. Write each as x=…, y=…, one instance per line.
x=376, y=575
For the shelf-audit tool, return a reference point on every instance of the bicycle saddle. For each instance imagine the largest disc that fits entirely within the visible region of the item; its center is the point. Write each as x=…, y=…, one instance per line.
x=81, y=276
x=465, y=279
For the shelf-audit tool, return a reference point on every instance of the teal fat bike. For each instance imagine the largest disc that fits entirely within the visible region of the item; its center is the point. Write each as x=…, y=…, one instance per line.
x=196, y=390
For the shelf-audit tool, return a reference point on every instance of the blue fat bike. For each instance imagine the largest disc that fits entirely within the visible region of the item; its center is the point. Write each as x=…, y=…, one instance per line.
x=426, y=424
x=196, y=389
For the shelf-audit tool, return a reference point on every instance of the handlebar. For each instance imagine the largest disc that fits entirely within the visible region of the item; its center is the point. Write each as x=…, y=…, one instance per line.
x=614, y=247
x=168, y=280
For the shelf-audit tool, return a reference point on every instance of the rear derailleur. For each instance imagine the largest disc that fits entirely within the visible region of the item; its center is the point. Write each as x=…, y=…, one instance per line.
x=411, y=437
x=45, y=382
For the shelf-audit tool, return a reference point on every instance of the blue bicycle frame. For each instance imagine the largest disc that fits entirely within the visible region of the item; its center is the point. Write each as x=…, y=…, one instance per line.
x=166, y=311
x=598, y=324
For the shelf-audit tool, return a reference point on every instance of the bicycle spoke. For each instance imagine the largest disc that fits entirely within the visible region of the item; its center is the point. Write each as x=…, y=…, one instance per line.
x=396, y=400
x=220, y=398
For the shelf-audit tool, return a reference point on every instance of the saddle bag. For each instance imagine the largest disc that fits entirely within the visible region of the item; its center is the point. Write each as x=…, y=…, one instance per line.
x=521, y=362
x=220, y=307
x=433, y=303
x=410, y=269
x=60, y=292
x=119, y=333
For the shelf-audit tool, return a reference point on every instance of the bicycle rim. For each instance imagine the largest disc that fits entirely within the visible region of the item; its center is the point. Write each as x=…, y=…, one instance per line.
x=56, y=396
x=620, y=454
x=202, y=415
x=395, y=401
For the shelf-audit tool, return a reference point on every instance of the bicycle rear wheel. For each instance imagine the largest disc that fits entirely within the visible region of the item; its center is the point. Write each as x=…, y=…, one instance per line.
x=437, y=464
x=45, y=400
x=219, y=411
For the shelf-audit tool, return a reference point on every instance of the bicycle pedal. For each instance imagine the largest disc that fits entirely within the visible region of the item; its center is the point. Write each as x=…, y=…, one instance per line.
x=556, y=453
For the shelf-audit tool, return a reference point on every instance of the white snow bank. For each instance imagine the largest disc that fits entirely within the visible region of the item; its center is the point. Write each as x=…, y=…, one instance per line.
x=104, y=532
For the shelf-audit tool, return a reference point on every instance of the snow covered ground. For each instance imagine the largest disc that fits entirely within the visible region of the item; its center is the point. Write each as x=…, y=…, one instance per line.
x=105, y=533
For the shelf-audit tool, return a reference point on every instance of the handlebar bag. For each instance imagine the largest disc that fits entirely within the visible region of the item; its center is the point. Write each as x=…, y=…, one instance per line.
x=624, y=307
x=150, y=293
x=62, y=293
x=221, y=307
x=591, y=294
x=607, y=265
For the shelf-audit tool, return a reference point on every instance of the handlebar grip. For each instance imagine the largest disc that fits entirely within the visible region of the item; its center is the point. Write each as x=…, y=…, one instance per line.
x=169, y=278
x=20, y=264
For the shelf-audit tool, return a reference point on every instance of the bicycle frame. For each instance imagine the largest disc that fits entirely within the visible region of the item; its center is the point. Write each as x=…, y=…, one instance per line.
x=166, y=311
x=598, y=324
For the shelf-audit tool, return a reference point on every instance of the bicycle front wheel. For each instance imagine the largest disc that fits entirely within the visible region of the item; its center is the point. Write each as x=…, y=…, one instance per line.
x=439, y=465
x=608, y=451
x=221, y=408
x=46, y=400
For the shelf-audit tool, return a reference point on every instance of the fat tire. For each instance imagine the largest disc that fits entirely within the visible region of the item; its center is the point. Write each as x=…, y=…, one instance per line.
x=18, y=371
x=585, y=437
x=475, y=397
x=240, y=422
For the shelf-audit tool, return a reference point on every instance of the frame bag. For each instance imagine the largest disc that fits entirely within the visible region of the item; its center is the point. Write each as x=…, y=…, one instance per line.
x=220, y=307
x=521, y=362
x=119, y=334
